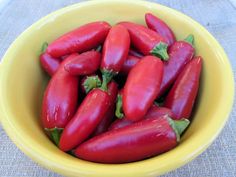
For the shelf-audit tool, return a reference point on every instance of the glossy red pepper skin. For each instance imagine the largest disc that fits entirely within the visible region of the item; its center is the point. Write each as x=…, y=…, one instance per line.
x=84, y=64
x=115, y=49
x=182, y=95
x=129, y=64
x=135, y=53
x=60, y=98
x=156, y=24
x=153, y=112
x=49, y=64
x=142, y=38
x=180, y=53
x=138, y=141
x=88, y=116
x=142, y=87
x=81, y=39
x=108, y=117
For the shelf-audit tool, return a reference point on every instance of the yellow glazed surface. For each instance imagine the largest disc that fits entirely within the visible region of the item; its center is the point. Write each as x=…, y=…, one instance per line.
x=22, y=83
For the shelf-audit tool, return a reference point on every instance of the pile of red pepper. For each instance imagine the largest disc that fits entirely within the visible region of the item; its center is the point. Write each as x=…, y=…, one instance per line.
x=119, y=93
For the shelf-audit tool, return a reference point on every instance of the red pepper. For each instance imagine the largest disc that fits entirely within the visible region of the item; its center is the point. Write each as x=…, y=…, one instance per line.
x=107, y=119
x=138, y=141
x=49, y=64
x=182, y=95
x=129, y=64
x=156, y=24
x=142, y=87
x=90, y=82
x=114, y=53
x=59, y=101
x=135, y=53
x=81, y=39
x=146, y=41
x=153, y=112
x=180, y=53
x=85, y=63
x=88, y=116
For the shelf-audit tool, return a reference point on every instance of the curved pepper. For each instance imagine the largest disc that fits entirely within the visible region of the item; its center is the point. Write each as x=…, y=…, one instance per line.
x=146, y=41
x=85, y=63
x=59, y=101
x=114, y=53
x=81, y=39
x=180, y=53
x=182, y=95
x=49, y=64
x=153, y=112
x=142, y=87
x=156, y=24
x=88, y=116
x=138, y=141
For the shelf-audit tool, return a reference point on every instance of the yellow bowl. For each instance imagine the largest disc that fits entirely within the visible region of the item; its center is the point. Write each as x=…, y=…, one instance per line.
x=22, y=83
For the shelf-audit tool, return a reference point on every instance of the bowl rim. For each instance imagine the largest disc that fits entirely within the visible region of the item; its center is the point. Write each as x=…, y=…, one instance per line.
x=130, y=169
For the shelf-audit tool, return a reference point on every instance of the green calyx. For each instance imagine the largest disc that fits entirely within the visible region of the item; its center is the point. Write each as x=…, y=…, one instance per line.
x=106, y=78
x=55, y=134
x=91, y=82
x=189, y=39
x=43, y=48
x=160, y=50
x=178, y=126
x=119, y=112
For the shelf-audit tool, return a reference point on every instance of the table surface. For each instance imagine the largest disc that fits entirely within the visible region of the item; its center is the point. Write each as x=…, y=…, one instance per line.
x=218, y=16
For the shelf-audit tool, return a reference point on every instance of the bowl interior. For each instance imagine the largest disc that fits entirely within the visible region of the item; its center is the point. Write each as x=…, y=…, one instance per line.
x=23, y=83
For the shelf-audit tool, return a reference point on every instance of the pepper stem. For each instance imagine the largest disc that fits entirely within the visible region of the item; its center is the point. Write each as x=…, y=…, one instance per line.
x=189, y=39
x=119, y=113
x=160, y=50
x=178, y=126
x=91, y=82
x=55, y=134
x=106, y=78
x=43, y=48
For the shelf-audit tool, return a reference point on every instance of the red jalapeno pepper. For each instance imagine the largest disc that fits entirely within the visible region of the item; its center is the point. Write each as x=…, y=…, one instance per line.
x=182, y=95
x=107, y=119
x=142, y=87
x=49, y=64
x=180, y=53
x=82, y=39
x=88, y=116
x=59, y=101
x=114, y=53
x=153, y=112
x=146, y=41
x=129, y=64
x=156, y=24
x=85, y=63
x=138, y=141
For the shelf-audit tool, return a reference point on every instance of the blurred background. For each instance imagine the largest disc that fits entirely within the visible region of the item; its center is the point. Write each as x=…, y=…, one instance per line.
x=217, y=16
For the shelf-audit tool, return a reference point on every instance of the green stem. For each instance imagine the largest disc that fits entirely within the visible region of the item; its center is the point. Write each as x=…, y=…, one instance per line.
x=91, y=82
x=55, y=134
x=189, y=39
x=160, y=50
x=43, y=48
x=178, y=126
x=119, y=112
x=106, y=78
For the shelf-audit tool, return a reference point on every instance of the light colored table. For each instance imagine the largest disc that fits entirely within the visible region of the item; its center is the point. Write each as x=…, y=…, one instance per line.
x=218, y=16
